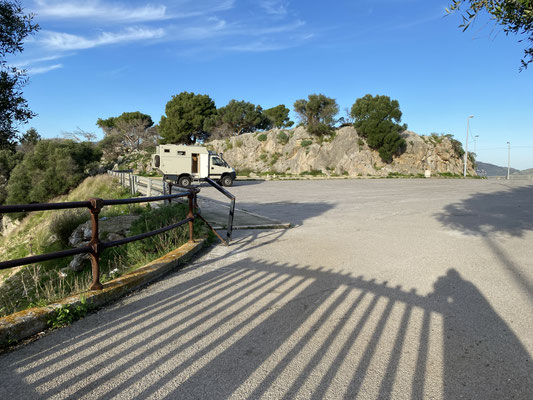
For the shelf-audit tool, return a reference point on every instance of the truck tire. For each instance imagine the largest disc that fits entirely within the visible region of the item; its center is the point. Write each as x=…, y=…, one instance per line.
x=226, y=180
x=185, y=181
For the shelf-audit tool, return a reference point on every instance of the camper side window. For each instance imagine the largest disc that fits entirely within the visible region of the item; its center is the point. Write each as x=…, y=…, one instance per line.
x=181, y=153
x=167, y=150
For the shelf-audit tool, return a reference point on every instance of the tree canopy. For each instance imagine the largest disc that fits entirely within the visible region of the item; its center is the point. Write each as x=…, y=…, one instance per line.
x=127, y=132
x=51, y=168
x=377, y=119
x=185, y=120
x=29, y=139
x=15, y=28
x=238, y=117
x=317, y=113
x=515, y=16
x=278, y=117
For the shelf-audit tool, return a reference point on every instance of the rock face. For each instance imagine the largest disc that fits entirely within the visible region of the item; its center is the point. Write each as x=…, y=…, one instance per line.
x=110, y=229
x=344, y=154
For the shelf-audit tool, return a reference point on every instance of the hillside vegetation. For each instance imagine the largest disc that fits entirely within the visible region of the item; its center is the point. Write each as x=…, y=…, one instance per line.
x=48, y=231
x=342, y=153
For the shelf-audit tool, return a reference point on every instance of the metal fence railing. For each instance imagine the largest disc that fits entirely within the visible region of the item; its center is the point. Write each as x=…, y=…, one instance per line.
x=95, y=247
x=148, y=186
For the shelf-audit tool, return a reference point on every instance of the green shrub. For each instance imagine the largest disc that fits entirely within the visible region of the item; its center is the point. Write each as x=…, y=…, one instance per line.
x=263, y=156
x=262, y=137
x=306, y=143
x=67, y=314
x=228, y=144
x=449, y=175
x=282, y=138
x=313, y=172
x=243, y=172
x=377, y=119
x=274, y=158
x=238, y=143
x=50, y=169
x=64, y=222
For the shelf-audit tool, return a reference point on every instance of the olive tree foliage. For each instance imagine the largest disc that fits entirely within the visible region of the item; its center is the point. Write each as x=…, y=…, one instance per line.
x=128, y=132
x=185, y=119
x=29, y=139
x=317, y=113
x=8, y=161
x=51, y=168
x=278, y=117
x=236, y=118
x=15, y=27
x=515, y=16
x=377, y=119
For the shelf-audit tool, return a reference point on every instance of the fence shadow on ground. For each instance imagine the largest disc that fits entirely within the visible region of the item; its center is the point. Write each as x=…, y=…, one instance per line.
x=256, y=329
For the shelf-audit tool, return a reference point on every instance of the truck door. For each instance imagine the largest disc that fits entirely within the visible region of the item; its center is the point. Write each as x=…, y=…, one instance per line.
x=194, y=166
x=217, y=167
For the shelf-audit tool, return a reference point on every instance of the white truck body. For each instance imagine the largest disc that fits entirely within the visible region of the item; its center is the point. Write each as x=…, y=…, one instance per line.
x=183, y=164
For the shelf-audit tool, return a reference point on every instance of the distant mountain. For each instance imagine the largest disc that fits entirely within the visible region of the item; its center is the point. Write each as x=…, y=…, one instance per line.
x=528, y=171
x=486, y=169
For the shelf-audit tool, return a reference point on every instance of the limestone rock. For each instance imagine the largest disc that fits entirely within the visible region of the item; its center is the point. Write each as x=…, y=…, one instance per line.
x=79, y=262
x=345, y=153
x=110, y=229
x=116, y=225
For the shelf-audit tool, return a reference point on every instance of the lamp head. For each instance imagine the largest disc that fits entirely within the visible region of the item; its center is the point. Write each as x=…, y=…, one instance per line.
x=470, y=116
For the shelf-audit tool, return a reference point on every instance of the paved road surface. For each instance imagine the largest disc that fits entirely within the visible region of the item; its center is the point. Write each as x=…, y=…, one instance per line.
x=406, y=289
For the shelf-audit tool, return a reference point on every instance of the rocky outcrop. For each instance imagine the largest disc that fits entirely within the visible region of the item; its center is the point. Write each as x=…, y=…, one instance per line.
x=345, y=153
x=110, y=229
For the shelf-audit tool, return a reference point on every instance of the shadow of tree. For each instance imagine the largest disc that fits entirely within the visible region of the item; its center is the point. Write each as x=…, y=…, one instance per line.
x=259, y=329
x=507, y=211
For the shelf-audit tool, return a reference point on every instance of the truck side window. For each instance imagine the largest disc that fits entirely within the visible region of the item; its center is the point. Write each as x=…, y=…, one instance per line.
x=217, y=161
x=181, y=153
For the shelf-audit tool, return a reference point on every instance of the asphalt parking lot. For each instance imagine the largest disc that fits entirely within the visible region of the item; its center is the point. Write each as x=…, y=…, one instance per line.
x=403, y=289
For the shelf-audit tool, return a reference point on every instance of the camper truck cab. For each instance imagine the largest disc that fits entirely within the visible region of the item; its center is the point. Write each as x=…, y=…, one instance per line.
x=183, y=164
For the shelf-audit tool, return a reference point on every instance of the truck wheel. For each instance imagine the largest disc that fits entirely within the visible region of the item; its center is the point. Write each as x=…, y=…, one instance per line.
x=226, y=180
x=184, y=181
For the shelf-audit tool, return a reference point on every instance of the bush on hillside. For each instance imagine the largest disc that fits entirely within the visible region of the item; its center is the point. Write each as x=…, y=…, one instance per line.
x=317, y=113
x=377, y=119
x=51, y=168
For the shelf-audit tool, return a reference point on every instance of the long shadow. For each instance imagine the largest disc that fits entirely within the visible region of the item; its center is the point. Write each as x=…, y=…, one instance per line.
x=259, y=329
x=506, y=212
x=293, y=212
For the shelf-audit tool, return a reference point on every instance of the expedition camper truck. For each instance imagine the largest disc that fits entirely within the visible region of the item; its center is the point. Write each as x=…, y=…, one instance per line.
x=183, y=164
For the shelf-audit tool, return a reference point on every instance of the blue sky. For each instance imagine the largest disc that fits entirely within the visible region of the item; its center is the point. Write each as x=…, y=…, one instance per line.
x=95, y=59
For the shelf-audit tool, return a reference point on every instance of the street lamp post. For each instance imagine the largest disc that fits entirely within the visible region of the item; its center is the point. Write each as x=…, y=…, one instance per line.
x=508, y=160
x=466, y=143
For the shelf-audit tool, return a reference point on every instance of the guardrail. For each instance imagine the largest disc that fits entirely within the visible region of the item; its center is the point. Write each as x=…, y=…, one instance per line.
x=95, y=247
x=147, y=185
x=231, y=209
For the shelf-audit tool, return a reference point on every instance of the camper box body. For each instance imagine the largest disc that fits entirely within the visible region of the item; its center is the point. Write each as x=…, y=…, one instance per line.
x=183, y=164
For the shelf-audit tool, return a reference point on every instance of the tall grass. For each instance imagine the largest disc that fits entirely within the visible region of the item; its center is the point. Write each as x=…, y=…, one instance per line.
x=48, y=231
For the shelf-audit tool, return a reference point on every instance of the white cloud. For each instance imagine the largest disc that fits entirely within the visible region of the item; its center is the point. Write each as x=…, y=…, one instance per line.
x=42, y=70
x=258, y=47
x=67, y=41
x=274, y=7
x=25, y=63
x=94, y=9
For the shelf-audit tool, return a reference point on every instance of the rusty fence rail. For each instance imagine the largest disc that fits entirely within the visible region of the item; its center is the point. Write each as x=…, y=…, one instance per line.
x=95, y=247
